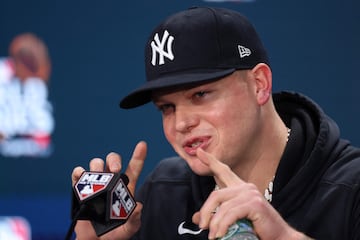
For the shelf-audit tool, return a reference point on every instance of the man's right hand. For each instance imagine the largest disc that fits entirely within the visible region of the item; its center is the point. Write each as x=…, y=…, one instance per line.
x=84, y=229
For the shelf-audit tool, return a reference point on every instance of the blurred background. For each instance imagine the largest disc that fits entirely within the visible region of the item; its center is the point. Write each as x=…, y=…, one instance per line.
x=96, y=51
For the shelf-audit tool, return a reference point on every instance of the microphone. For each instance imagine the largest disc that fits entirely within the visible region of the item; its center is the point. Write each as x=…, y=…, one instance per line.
x=104, y=199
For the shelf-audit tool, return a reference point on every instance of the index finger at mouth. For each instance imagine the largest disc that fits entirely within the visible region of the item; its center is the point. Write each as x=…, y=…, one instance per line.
x=222, y=173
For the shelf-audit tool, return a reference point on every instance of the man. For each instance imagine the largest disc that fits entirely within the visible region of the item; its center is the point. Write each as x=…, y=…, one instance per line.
x=276, y=159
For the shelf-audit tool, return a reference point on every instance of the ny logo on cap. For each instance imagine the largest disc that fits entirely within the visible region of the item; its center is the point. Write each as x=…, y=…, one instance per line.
x=159, y=47
x=244, y=52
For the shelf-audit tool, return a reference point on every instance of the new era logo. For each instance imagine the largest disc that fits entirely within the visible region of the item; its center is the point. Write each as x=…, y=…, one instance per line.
x=244, y=51
x=162, y=49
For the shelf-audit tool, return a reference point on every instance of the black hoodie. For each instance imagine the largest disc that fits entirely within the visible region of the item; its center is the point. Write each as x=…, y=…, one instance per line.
x=316, y=186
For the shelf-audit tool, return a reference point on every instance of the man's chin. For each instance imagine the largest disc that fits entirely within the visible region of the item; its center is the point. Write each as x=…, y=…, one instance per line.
x=201, y=169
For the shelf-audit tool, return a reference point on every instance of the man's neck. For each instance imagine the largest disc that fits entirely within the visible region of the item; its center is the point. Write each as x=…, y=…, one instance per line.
x=261, y=169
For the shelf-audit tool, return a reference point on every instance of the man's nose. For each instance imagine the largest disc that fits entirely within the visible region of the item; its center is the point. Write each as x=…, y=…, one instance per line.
x=185, y=120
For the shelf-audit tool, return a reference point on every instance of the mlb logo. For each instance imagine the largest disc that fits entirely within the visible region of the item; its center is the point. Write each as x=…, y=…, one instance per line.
x=122, y=202
x=92, y=183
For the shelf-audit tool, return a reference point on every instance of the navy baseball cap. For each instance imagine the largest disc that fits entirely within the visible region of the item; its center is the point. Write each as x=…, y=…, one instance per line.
x=195, y=46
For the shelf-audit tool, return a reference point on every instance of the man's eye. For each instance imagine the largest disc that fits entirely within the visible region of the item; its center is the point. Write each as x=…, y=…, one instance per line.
x=166, y=108
x=200, y=94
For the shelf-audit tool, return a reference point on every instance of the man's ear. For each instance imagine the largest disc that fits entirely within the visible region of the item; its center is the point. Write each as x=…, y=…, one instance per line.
x=263, y=82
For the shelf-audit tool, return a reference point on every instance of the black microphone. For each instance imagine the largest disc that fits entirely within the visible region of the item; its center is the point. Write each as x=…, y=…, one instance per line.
x=104, y=199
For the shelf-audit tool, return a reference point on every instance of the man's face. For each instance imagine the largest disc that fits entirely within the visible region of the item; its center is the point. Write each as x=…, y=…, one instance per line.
x=220, y=117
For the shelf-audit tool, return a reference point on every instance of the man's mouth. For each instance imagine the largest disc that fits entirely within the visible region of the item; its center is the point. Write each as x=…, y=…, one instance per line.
x=195, y=143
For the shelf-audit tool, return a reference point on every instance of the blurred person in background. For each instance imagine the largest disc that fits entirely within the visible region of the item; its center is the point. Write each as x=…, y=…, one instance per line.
x=26, y=120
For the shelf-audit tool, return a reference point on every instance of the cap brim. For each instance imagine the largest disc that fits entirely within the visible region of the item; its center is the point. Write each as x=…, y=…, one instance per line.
x=142, y=95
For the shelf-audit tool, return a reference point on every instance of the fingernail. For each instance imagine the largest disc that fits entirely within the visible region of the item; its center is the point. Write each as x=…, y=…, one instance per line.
x=201, y=225
x=211, y=236
x=115, y=167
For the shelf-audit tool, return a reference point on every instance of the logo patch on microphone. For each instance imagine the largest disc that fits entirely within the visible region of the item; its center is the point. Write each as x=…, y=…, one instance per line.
x=122, y=203
x=91, y=183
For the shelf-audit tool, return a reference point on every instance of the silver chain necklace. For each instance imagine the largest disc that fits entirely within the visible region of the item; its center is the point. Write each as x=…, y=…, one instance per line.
x=269, y=190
